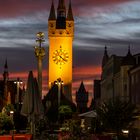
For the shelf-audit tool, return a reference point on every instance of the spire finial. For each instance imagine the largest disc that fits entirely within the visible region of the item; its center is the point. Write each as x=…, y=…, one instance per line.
x=105, y=57
x=105, y=52
x=129, y=50
x=6, y=66
x=105, y=47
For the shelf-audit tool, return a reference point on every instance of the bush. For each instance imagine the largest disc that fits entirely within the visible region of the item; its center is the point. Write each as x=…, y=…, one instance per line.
x=6, y=109
x=6, y=123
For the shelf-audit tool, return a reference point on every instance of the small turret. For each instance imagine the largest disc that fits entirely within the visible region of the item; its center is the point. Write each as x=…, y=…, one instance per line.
x=82, y=98
x=61, y=10
x=70, y=13
x=105, y=57
x=128, y=59
x=5, y=74
x=5, y=79
x=52, y=15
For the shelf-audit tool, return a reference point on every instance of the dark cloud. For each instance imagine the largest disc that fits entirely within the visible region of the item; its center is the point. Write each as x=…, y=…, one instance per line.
x=87, y=57
x=13, y=8
x=18, y=59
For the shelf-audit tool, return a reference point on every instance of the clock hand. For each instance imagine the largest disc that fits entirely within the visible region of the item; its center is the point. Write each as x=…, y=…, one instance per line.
x=62, y=58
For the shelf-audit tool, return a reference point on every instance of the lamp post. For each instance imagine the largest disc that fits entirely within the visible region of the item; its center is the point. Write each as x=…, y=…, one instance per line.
x=40, y=53
x=18, y=82
x=59, y=84
x=11, y=115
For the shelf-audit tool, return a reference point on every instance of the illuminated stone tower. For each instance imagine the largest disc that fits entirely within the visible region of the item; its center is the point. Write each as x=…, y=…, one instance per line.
x=61, y=33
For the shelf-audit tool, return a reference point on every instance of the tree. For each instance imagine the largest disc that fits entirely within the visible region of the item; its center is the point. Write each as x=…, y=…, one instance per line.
x=73, y=130
x=6, y=109
x=6, y=123
x=65, y=112
x=117, y=114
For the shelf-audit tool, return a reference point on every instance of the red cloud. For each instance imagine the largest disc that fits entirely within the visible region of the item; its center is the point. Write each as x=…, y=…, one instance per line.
x=85, y=74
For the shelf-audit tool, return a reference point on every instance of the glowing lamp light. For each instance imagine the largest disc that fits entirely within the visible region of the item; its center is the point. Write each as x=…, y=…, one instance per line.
x=18, y=82
x=11, y=112
x=125, y=131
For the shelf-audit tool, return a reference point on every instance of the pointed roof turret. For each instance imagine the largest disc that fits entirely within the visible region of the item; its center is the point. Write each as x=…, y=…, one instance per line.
x=129, y=51
x=82, y=88
x=6, y=66
x=128, y=59
x=61, y=15
x=82, y=94
x=82, y=98
x=70, y=13
x=6, y=74
x=105, y=57
x=52, y=15
x=61, y=10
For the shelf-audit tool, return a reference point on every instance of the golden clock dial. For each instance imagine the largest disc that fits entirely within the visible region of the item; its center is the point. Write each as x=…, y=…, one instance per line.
x=60, y=57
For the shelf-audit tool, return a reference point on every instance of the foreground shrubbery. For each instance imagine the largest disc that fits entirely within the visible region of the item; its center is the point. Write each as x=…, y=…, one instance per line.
x=6, y=123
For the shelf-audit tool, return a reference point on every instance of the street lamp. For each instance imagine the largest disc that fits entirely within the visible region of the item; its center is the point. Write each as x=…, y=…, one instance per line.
x=59, y=83
x=11, y=115
x=18, y=82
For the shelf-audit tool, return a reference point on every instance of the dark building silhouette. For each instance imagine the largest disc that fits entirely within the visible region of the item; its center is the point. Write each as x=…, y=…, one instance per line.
x=8, y=89
x=134, y=78
x=82, y=99
x=120, y=77
x=51, y=105
x=97, y=92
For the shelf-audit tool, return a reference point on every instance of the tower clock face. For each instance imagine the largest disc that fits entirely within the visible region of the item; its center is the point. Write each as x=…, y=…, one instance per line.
x=60, y=56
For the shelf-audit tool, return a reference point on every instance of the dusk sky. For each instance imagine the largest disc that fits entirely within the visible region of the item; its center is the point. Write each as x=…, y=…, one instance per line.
x=115, y=23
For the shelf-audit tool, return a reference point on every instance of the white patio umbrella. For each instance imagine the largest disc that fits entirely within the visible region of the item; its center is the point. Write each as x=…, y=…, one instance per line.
x=90, y=114
x=32, y=104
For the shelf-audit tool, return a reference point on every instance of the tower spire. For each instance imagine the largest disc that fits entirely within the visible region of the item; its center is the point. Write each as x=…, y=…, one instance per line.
x=61, y=4
x=129, y=59
x=52, y=15
x=129, y=51
x=70, y=13
x=61, y=15
x=6, y=66
x=105, y=57
x=61, y=10
x=5, y=74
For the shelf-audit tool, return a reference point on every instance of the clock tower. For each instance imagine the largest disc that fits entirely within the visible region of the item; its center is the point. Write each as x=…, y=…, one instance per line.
x=61, y=34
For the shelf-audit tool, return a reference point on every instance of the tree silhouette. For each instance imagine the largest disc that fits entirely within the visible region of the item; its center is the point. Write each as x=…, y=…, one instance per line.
x=117, y=114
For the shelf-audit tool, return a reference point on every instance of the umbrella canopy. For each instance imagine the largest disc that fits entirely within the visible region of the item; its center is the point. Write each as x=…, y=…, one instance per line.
x=32, y=104
x=90, y=114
